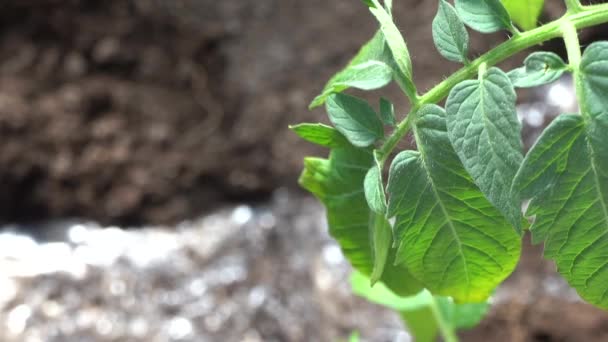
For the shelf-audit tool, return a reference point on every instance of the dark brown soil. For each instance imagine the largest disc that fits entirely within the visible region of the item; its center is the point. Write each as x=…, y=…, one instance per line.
x=154, y=110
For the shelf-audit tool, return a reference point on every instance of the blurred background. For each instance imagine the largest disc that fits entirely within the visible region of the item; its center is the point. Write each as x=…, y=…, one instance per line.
x=148, y=181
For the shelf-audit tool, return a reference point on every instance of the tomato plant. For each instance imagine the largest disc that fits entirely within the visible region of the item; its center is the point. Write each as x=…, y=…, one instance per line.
x=436, y=238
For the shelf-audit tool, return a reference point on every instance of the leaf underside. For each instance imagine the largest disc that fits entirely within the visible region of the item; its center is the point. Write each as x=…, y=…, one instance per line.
x=355, y=119
x=486, y=134
x=366, y=71
x=539, y=68
x=449, y=34
x=485, y=16
x=450, y=237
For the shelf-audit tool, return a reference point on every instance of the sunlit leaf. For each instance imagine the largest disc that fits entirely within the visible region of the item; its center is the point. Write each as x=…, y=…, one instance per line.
x=450, y=237
x=525, y=13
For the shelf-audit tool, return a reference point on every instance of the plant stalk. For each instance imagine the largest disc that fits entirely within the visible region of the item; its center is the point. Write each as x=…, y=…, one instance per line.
x=573, y=48
x=400, y=131
x=446, y=331
x=579, y=17
x=574, y=6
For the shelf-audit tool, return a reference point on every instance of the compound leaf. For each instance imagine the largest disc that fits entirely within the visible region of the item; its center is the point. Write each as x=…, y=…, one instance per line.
x=387, y=112
x=485, y=16
x=566, y=175
x=338, y=183
x=320, y=134
x=486, y=134
x=450, y=237
x=354, y=118
x=449, y=34
x=539, y=68
x=525, y=13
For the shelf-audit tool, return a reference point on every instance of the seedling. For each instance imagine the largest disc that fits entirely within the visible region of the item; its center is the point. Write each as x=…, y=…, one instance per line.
x=445, y=229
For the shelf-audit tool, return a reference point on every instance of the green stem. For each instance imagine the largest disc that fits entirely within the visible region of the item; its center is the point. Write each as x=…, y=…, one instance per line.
x=447, y=331
x=579, y=18
x=482, y=70
x=401, y=130
x=574, y=6
x=573, y=48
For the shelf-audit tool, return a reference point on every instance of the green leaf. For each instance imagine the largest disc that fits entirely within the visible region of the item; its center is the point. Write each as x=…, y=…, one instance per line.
x=396, y=44
x=382, y=233
x=525, y=13
x=388, y=4
x=374, y=188
x=540, y=172
x=368, y=3
x=423, y=313
x=486, y=134
x=594, y=72
x=357, y=72
x=354, y=118
x=462, y=316
x=338, y=183
x=569, y=207
x=566, y=175
x=320, y=134
x=594, y=67
x=450, y=237
x=449, y=34
x=485, y=16
x=387, y=112
x=381, y=229
x=368, y=75
x=539, y=68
